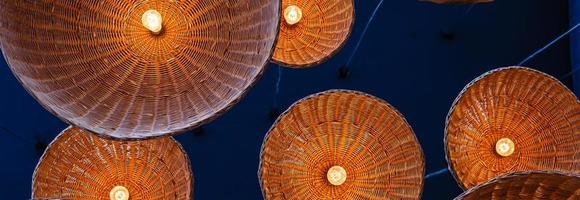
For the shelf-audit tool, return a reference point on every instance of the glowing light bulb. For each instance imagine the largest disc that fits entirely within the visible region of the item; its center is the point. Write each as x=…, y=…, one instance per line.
x=119, y=193
x=504, y=147
x=292, y=14
x=336, y=175
x=152, y=20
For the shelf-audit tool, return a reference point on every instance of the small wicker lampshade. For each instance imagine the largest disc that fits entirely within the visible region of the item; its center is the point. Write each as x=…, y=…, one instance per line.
x=79, y=165
x=458, y=1
x=512, y=119
x=341, y=145
x=324, y=27
x=531, y=185
x=117, y=69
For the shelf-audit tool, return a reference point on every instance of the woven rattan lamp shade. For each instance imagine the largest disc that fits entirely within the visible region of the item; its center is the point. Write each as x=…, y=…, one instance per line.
x=533, y=185
x=94, y=64
x=341, y=145
x=322, y=31
x=528, y=116
x=79, y=165
x=458, y=1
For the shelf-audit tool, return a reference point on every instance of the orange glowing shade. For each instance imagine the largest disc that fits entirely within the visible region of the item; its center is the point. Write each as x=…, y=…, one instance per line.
x=138, y=69
x=81, y=165
x=512, y=119
x=341, y=144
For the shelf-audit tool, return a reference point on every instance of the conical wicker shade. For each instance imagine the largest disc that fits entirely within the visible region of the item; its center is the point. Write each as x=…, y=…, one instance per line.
x=458, y=1
x=363, y=135
x=95, y=65
x=534, y=111
x=79, y=165
x=533, y=185
x=324, y=28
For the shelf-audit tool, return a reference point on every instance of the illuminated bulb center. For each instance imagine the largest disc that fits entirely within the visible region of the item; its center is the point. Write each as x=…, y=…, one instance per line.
x=152, y=20
x=336, y=175
x=504, y=147
x=292, y=15
x=119, y=193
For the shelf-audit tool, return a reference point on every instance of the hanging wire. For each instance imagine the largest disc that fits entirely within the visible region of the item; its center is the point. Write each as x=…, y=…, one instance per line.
x=549, y=44
x=437, y=173
x=570, y=74
x=363, y=33
x=277, y=86
x=19, y=137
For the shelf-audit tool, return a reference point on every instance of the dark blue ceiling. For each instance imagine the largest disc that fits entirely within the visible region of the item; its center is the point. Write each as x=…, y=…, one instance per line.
x=417, y=56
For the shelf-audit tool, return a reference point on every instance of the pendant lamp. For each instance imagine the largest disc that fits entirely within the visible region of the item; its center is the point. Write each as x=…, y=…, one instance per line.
x=312, y=31
x=134, y=69
x=531, y=185
x=80, y=165
x=341, y=144
x=512, y=119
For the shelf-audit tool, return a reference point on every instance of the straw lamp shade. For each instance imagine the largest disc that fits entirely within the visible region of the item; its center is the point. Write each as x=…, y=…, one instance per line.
x=136, y=69
x=458, y=1
x=341, y=145
x=80, y=165
x=311, y=31
x=512, y=119
x=532, y=185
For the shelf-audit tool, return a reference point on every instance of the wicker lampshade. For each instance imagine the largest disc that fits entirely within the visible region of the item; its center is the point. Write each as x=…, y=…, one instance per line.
x=512, y=119
x=341, y=145
x=79, y=165
x=458, y=1
x=96, y=65
x=324, y=27
x=532, y=185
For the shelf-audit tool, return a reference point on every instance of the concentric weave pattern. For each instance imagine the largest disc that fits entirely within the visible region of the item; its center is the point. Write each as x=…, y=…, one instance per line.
x=365, y=135
x=94, y=64
x=80, y=165
x=537, y=112
x=324, y=28
x=533, y=185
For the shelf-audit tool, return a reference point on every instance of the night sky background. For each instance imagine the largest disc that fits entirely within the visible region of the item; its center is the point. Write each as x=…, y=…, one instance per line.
x=417, y=56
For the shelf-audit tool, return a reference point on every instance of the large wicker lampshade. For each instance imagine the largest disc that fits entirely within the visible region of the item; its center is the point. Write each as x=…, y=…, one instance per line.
x=138, y=68
x=532, y=185
x=458, y=1
x=311, y=31
x=341, y=145
x=512, y=119
x=79, y=165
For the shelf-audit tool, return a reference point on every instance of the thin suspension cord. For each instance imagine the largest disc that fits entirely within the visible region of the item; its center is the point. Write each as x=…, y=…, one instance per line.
x=277, y=86
x=437, y=173
x=363, y=34
x=570, y=74
x=19, y=137
x=549, y=44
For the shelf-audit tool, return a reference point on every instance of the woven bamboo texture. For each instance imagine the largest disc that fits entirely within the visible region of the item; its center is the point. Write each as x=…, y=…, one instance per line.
x=458, y=1
x=323, y=30
x=93, y=63
x=80, y=165
x=363, y=134
x=533, y=185
x=537, y=112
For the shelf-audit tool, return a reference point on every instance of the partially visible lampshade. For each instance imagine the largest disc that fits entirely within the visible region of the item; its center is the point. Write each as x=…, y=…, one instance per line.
x=311, y=31
x=458, y=1
x=341, y=144
x=138, y=69
x=80, y=165
x=512, y=119
x=531, y=185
